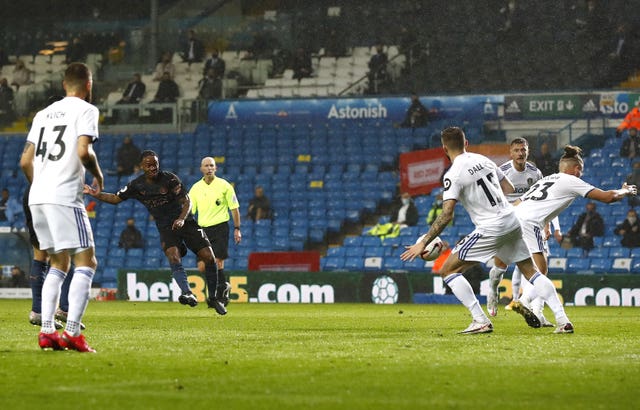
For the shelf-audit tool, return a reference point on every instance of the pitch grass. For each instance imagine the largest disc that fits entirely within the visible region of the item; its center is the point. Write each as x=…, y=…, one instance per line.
x=345, y=356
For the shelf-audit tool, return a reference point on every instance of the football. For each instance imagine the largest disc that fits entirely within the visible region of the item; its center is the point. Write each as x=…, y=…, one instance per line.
x=433, y=250
x=384, y=290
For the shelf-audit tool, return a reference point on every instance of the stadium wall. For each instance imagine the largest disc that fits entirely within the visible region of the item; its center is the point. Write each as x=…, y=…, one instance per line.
x=364, y=287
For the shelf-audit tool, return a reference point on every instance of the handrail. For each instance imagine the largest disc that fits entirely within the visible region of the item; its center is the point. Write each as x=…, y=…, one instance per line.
x=366, y=76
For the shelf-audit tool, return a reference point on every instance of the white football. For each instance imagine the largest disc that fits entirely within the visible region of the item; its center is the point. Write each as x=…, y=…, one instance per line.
x=433, y=250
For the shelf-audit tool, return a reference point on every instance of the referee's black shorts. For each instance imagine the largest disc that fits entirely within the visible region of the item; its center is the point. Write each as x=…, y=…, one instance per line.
x=219, y=237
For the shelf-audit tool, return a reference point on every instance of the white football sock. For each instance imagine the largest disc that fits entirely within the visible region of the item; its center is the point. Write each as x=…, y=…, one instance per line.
x=462, y=289
x=544, y=287
x=516, y=279
x=528, y=292
x=537, y=306
x=50, y=298
x=79, y=290
x=495, y=276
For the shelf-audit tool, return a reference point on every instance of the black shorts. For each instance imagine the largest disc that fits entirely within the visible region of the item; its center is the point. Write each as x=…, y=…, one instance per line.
x=29, y=219
x=219, y=237
x=190, y=235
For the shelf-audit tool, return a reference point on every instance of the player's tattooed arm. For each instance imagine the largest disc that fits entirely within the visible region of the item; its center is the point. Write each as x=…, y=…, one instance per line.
x=441, y=221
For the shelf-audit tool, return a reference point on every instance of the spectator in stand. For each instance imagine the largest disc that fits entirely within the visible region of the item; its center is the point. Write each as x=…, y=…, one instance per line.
x=210, y=87
x=634, y=179
x=631, y=120
x=629, y=229
x=417, y=114
x=301, y=64
x=21, y=75
x=588, y=225
x=15, y=214
x=259, y=205
x=3, y=204
x=128, y=157
x=4, y=58
x=168, y=92
x=378, y=75
x=404, y=212
x=544, y=161
x=134, y=92
x=76, y=52
x=194, y=49
x=335, y=45
x=165, y=66
x=132, y=95
x=620, y=61
x=7, y=113
x=131, y=237
x=18, y=278
x=217, y=63
x=630, y=147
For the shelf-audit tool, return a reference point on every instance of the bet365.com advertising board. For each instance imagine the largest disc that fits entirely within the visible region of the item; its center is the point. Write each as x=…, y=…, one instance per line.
x=366, y=287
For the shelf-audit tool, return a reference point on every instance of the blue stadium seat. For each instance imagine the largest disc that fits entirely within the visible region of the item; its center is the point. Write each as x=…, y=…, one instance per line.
x=575, y=253
x=578, y=264
x=598, y=253
x=392, y=263
x=600, y=265
x=354, y=262
x=336, y=251
x=619, y=252
x=350, y=241
x=332, y=262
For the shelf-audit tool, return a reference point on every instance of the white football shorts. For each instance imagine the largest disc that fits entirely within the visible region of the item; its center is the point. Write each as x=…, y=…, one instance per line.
x=533, y=236
x=479, y=247
x=60, y=227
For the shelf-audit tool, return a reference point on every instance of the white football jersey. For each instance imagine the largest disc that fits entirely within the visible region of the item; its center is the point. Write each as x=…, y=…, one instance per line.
x=58, y=173
x=521, y=180
x=550, y=196
x=474, y=181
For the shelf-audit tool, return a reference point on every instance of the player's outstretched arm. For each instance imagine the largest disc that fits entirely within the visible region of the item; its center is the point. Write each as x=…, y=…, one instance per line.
x=102, y=196
x=437, y=226
x=612, y=195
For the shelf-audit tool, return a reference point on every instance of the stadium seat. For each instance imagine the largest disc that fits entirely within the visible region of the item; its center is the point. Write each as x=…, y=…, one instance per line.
x=575, y=253
x=354, y=262
x=600, y=265
x=336, y=251
x=334, y=262
x=557, y=265
x=598, y=253
x=393, y=264
x=577, y=265
x=619, y=252
x=373, y=262
x=621, y=265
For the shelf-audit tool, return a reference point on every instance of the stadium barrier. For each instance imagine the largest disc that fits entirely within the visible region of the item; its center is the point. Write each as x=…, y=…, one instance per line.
x=366, y=287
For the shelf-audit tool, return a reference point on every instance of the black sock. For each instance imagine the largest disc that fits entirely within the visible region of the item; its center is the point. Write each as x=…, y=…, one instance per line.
x=211, y=275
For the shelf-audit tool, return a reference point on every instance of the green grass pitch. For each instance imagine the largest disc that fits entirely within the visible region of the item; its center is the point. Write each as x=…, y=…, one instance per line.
x=342, y=356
